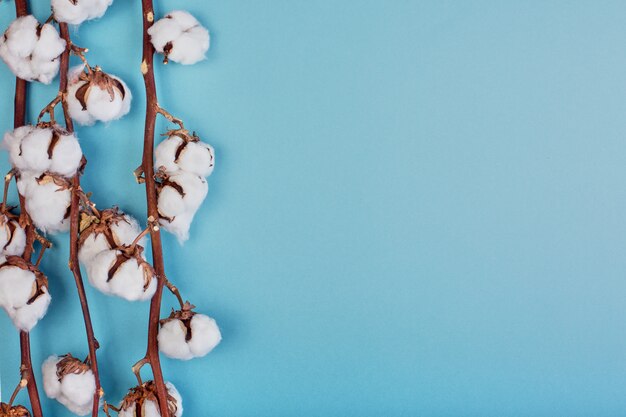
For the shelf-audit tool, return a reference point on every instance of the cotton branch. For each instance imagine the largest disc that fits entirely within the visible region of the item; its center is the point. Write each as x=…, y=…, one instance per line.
x=147, y=69
x=75, y=223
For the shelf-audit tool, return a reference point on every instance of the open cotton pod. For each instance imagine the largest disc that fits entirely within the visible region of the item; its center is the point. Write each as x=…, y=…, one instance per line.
x=94, y=95
x=123, y=272
x=109, y=229
x=44, y=147
x=76, y=12
x=180, y=37
x=184, y=151
x=179, y=197
x=23, y=292
x=141, y=401
x=12, y=236
x=32, y=50
x=48, y=199
x=69, y=381
x=186, y=335
x=7, y=410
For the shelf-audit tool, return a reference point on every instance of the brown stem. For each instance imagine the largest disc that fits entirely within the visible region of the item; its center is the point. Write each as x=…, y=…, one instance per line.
x=74, y=230
x=21, y=9
x=174, y=290
x=23, y=382
x=147, y=69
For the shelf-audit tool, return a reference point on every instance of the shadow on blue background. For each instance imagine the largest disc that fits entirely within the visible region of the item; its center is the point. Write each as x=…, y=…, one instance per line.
x=418, y=208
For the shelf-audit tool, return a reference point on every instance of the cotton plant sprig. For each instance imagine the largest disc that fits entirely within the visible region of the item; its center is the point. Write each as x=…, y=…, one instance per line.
x=173, y=196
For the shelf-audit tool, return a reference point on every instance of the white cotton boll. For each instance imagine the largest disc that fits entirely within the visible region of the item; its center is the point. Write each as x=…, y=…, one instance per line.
x=129, y=412
x=127, y=282
x=97, y=8
x=66, y=156
x=21, y=36
x=16, y=287
x=165, y=154
x=27, y=316
x=180, y=37
x=51, y=383
x=32, y=52
x=47, y=203
x=74, y=390
x=205, y=336
x=75, y=108
x=177, y=210
x=195, y=189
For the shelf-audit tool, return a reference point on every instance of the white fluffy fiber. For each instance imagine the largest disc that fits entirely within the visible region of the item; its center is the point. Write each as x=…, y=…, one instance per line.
x=17, y=286
x=124, y=233
x=205, y=335
x=12, y=237
x=151, y=409
x=196, y=157
x=31, y=55
x=74, y=391
x=179, y=209
x=28, y=150
x=127, y=282
x=99, y=105
x=75, y=14
x=188, y=39
x=46, y=202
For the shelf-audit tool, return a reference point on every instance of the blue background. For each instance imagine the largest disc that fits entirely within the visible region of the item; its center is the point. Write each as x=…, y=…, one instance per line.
x=418, y=208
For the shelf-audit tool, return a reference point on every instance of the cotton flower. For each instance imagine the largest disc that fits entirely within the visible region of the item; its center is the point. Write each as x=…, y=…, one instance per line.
x=76, y=12
x=180, y=37
x=7, y=410
x=41, y=148
x=141, y=401
x=186, y=335
x=23, y=292
x=96, y=96
x=48, y=199
x=123, y=272
x=12, y=236
x=32, y=50
x=70, y=382
x=181, y=151
x=110, y=230
x=179, y=197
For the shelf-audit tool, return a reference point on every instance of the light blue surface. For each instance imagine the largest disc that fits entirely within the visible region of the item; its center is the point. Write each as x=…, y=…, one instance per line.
x=418, y=208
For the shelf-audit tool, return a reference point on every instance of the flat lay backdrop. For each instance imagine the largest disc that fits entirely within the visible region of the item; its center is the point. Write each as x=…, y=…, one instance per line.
x=419, y=208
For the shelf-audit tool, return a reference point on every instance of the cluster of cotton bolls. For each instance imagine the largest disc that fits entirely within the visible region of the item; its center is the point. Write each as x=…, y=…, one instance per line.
x=114, y=259
x=76, y=12
x=141, y=401
x=32, y=50
x=70, y=382
x=180, y=37
x=94, y=95
x=23, y=292
x=186, y=335
x=45, y=157
x=182, y=162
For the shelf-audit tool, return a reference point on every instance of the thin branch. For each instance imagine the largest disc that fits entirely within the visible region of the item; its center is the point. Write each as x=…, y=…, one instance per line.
x=23, y=382
x=147, y=69
x=75, y=228
x=21, y=9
